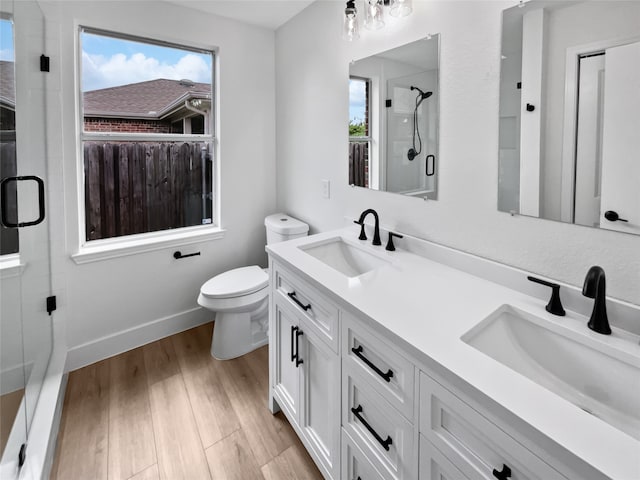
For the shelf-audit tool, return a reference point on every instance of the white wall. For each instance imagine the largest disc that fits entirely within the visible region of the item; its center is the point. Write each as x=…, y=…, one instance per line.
x=312, y=69
x=117, y=304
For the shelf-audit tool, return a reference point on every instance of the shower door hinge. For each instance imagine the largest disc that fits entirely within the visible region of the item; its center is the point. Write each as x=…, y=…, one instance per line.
x=387, y=103
x=51, y=304
x=22, y=455
x=44, y=63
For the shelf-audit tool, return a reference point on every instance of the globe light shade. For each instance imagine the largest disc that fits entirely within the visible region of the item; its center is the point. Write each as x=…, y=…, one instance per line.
x=400, y=8
x=350, y=30
x=373, y=15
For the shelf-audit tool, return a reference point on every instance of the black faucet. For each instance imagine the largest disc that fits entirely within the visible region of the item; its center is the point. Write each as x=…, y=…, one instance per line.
x=376, y=228
x=595, y=287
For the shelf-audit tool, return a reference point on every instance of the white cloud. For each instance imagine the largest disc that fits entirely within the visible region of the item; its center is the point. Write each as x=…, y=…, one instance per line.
x=6, y=54
x=99, y=71
x=357, y=92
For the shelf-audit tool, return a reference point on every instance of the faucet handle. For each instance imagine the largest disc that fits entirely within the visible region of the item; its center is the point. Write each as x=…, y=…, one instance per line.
x=362, y=236
x=555, y=305
x=390, y=246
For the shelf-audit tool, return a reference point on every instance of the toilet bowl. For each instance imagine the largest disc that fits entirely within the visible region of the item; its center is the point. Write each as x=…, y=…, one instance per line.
x=240, y=297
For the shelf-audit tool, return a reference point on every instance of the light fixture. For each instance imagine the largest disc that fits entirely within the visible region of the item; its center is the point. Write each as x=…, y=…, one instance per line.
x=373, y=15
x=400, y=8
x=350, y=26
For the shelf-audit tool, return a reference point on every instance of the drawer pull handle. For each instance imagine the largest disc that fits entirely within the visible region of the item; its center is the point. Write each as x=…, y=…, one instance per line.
x=299, y=361
x=504, y=474
x=293, y=355
x=385, y=443
x=292, y=296
x=358, y=353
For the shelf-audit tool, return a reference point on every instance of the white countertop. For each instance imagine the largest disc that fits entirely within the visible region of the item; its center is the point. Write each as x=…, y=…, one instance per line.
x=430, y=305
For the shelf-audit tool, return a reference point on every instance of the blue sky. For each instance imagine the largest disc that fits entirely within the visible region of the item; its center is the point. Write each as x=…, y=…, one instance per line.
x=357, y=100
x=6, y=40
x=109, y=62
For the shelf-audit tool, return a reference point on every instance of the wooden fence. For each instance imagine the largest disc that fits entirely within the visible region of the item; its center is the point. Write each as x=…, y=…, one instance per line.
x=138, y=187
x=359, y=164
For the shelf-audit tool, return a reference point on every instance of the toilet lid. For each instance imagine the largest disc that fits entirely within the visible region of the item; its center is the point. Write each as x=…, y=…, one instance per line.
x=236, y=282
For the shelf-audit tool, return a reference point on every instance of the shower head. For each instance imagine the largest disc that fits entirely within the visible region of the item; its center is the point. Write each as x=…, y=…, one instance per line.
x=422, y=94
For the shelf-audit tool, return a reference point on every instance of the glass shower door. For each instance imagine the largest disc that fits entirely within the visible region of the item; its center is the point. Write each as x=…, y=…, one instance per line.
x=25, y=267
x=411, y=125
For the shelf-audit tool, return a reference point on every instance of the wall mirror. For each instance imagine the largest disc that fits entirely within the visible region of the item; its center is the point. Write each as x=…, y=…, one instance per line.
x=570, y=113
x=393, y=120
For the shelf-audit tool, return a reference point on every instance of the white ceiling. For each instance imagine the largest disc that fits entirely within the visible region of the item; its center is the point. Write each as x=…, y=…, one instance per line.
x=264, y=13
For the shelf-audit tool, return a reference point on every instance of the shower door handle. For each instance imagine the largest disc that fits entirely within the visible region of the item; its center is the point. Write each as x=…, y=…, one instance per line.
x=4, y=184
x=432, y=171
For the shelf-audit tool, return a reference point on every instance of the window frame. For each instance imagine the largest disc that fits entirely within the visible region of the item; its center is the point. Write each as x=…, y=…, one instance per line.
x=368, y=120
x=100, y=249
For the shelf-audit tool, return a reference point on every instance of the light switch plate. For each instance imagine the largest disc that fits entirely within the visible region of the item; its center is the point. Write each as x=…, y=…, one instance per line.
x=326, y=189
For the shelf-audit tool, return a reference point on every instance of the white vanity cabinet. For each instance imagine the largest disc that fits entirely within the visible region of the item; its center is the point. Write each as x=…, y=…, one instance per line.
x=305, y=366
x=366, y=408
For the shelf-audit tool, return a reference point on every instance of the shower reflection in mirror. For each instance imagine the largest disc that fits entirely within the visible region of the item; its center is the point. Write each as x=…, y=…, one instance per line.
x=393, y=120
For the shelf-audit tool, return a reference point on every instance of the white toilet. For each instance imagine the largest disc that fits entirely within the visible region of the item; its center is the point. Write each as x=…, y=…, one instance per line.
x=240, y=297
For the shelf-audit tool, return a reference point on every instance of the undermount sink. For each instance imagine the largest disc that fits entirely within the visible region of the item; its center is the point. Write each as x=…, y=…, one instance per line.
x=598, y=378
x=344, y=257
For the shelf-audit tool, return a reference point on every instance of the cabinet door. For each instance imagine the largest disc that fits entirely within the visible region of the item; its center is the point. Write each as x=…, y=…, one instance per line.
x=320, y=402
x=286, y=383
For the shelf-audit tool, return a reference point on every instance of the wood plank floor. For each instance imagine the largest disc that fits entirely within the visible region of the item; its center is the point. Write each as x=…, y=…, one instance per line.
x=170, y=411
x=9, y=406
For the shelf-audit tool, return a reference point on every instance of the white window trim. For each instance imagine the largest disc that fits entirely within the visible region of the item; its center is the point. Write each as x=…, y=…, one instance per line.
x=109, y=248
x=11, y=266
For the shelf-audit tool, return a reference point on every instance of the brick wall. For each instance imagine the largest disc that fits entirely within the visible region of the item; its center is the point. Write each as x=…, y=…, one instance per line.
x=125, y=125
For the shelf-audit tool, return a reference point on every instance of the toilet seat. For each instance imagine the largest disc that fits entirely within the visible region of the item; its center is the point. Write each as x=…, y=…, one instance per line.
x=236, y=283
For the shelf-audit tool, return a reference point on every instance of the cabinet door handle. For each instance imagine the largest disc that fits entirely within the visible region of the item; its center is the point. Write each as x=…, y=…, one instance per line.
x=384, y=442
x=299, y=361
x=293, y=355
x=292, y=296
x=358, y=353
x=504, y=474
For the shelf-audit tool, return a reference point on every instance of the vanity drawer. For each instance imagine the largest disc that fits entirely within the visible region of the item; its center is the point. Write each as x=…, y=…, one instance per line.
x=355, y=464
x=321, y=314
x=473, y=443
x=377, y=428
x=434, y=465
x=390, y=374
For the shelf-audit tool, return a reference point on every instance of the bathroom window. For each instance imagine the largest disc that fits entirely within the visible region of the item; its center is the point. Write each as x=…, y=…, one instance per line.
x=147, y=140
x=359, y=131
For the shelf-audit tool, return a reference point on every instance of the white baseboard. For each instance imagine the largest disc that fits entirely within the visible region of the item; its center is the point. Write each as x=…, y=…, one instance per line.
x=12, y=378
x=114, y=344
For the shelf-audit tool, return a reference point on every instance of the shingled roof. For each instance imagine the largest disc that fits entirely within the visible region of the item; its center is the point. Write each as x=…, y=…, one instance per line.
x=153, y=99
x=7, y=84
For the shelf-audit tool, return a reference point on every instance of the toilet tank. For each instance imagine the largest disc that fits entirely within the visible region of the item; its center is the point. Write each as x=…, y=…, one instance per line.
x=281, y=227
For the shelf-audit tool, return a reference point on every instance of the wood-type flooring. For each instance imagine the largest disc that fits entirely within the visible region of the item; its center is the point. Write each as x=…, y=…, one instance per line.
x=170, y=411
